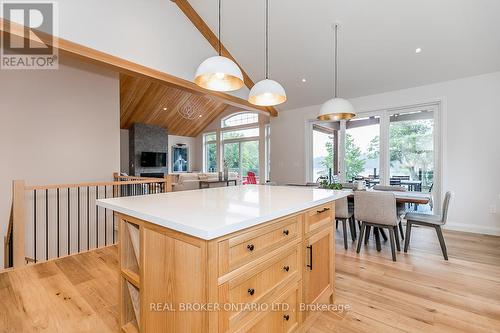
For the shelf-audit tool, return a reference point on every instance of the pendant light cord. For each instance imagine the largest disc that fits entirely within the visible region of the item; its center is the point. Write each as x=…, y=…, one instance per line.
x=267, y=39
x=219, y=28
x=335, y=61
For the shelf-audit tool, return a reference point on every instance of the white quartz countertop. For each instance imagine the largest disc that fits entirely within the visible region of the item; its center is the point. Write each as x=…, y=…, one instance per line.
x=215, y=212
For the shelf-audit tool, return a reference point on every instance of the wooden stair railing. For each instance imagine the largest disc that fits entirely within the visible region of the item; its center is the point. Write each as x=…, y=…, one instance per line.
x=8, y=243
x=50, y=221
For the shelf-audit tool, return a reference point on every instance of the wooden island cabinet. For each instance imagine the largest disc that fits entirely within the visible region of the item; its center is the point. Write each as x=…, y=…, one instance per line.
x=250, y=280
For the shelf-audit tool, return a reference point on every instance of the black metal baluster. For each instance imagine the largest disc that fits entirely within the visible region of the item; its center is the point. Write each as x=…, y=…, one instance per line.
x=96, y=219
x=69, y=221
x=88, y=218
x=78, y=220
x=34, y=224
x=105, y=218
x=58, y=230
x=46, y=224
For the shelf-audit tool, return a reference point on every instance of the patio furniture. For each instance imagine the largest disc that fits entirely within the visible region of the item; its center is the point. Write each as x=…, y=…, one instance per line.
x=250, y=179
x=430, y=220
x=377, y=209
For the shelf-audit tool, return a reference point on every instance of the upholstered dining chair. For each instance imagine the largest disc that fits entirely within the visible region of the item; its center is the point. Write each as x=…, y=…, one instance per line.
x=401, y=207
x=344, y=213
x=377, y=209
x=430, y=220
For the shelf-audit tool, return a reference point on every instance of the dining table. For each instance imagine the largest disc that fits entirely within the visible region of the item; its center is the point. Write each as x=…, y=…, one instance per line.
x=406, y=197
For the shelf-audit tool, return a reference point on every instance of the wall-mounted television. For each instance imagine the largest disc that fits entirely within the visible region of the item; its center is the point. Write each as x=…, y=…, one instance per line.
x=153, y=159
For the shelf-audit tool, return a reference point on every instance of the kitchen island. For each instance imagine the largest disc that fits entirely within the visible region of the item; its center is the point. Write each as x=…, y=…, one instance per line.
x=229, y=259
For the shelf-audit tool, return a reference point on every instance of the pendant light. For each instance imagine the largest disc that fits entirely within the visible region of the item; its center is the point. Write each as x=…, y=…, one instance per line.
x=336, y=108
x=219, y=73
x=267, y=92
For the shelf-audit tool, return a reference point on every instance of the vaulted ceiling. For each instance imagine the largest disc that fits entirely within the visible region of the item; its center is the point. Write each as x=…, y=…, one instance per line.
x=146, y=101
x=377, y=42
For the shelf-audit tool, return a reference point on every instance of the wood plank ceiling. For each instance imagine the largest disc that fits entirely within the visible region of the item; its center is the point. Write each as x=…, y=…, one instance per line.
x=143, y=101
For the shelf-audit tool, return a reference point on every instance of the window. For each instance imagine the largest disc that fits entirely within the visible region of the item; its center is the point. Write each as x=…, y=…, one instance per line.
x=240, y=119
x=268, y=152
x=210, y=152
x=411, y=149
x=362, y=148
x=245, y=133
x=399, y=146
x=239, y=143
x=323, y=152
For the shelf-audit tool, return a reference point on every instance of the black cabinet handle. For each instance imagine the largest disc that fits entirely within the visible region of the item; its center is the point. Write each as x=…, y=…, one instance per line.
x=286, y=232
x=286, y=317
x=310, y=265
x=250, y=247
x=323, y=210
x=251, y=291
x=286, y=268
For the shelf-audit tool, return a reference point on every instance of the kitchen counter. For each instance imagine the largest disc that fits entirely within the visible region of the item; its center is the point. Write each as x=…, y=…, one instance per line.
x=214, y=212
x=225, y=249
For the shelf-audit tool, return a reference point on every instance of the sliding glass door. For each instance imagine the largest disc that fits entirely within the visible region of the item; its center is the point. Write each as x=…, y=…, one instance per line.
x=242, y=157
x=362, y=148
x=411, y=150
x=398, y=146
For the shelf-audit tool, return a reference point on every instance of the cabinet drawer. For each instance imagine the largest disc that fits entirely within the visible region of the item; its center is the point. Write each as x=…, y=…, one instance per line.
x=249, y=289
x=285, y=317
x=241, y=249
x=319, y=217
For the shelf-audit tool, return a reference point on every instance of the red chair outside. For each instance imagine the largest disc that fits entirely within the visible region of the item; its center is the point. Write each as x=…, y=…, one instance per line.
x=251, y=179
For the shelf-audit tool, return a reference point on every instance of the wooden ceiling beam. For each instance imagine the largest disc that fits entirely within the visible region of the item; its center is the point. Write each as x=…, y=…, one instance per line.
x=205, y=30
x=123, y=66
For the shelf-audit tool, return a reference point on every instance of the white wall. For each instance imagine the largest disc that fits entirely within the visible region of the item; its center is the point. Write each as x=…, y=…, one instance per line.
x=471, y=152
x=57, y=126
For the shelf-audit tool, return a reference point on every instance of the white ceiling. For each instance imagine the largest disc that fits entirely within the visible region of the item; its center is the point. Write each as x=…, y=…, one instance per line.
x=377, y=40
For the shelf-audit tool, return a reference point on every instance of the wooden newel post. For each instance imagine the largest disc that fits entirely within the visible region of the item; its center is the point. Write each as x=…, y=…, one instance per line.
x=168, y=183
x=18, y=222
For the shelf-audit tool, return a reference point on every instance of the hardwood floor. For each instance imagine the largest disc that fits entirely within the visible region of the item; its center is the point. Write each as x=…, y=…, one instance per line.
x=419, y=293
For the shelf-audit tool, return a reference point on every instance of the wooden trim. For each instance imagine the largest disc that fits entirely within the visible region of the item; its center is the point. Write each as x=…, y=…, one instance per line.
x=18, y=222
x=91, y=184
x=120, y=65
x=212, y=39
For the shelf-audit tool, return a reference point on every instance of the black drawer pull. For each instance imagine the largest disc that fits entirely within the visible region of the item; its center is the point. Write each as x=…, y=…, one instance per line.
x=286, y=317
x=286, y=232
x=286, y=268
x=310, y=265
x=250, y=247
x=323, y=210
x=251, y=291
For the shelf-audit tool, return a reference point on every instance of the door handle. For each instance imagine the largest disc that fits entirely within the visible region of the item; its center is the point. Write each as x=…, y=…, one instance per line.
x=310, y=265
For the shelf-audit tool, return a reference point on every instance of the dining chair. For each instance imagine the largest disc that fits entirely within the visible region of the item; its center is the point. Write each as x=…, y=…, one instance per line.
x=430, y=220
x=401, y=207
x=377, y=209
x=344, y=213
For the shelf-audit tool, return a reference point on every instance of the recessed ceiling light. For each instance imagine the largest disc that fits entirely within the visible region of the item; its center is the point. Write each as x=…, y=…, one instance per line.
x=304, y=80
x=164, y=109
x=418, y=50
